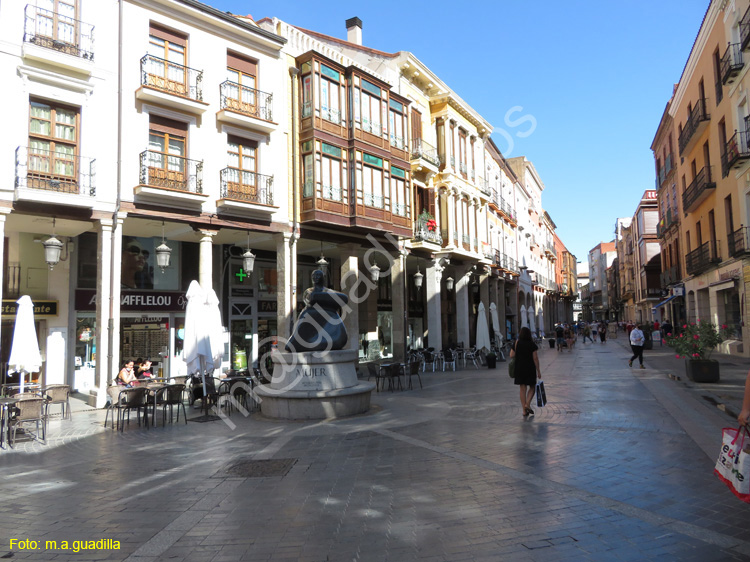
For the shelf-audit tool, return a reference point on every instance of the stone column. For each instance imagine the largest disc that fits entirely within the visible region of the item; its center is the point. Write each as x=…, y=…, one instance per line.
x=350, y=282
x=432, y=278
x=109, y=250
x=450, y=210
x=284, y=289
x=463, y=280
x=3, y=213
x=400, y=310
x=484, y=295
x=205, y=261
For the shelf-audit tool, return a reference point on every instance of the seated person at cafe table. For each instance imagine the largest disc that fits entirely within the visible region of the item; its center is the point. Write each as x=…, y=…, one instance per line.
x=127, y=375
x=144, y=370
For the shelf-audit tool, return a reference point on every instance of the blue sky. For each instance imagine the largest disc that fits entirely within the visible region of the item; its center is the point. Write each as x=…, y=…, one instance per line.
x=595, y=76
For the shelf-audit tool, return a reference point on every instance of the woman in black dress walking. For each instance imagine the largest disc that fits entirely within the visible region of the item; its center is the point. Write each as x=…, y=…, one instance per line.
x=527, y=368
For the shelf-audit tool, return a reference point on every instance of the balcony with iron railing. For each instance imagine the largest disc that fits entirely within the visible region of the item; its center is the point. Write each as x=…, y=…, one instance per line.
x=696, y=123
x=670, y=276
x=668, y=220
x=426, y=230
x=60, y=33
x=736, y=151
x=731, y=63
x=168, y=179
x=249, y=187
x=171, y=84
x=738, y=242
x=701, y=186
x=48, y=176
x=745, y=30
x=703, y=257
x=422, y=150
x=245, y=106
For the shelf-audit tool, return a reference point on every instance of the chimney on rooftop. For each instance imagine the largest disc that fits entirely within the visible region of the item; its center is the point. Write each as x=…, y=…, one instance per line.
x=354, y=31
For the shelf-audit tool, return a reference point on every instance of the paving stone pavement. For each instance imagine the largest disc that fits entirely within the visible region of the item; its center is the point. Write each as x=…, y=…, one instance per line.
x=618, y=466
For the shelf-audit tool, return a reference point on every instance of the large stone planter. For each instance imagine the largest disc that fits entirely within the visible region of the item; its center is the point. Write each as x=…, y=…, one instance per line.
x=702, y=370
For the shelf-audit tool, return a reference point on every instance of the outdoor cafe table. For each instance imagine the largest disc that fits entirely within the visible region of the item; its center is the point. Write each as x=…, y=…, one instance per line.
x=9, y=388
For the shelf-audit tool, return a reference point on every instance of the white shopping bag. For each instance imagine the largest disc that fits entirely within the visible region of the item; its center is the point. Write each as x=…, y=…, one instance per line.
x=733, y=464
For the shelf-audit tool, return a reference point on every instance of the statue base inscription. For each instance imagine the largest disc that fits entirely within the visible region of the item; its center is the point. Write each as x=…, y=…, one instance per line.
x=314, y=386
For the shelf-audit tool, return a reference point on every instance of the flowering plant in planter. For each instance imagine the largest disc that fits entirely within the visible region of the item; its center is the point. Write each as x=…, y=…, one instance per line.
x=431, y=225
x=697, y=340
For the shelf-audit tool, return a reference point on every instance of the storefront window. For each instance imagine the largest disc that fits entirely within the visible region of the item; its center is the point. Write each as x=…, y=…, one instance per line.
x=85, y=353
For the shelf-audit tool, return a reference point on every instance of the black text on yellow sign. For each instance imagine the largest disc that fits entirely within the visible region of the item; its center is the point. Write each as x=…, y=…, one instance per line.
x=42, y=309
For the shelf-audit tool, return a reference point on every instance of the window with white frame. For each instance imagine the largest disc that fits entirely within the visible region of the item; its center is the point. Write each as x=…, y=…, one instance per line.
x=400, y=203
x=397, y=123
x=372, y=181
x=371, y=108
x=331, y=172
x=330, y=94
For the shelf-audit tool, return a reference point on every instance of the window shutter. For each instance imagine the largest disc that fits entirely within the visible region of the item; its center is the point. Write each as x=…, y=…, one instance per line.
x=156, y=30
x=416, y=124
x=431, y=201
x=164, y=125
x=243, y=64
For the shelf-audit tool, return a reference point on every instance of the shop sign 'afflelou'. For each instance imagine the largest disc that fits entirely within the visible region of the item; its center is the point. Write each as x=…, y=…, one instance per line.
x=136, y=301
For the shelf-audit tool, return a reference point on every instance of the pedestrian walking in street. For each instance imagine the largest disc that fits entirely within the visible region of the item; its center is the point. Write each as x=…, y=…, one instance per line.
x=527, y=368
x=594, y=331
x=587, y=333
x=569, y=338
x=637, y=339
x=603, y=332
x=559, y=337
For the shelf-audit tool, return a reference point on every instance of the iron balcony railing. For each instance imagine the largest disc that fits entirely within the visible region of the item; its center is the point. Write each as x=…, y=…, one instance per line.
x=652, y=293
x=745, y=30
x=731, y=63
x=246, y=186
x=171, y=172
x=423, y=233
x=59, y=32
x=736, y=150
x=61, y=172
x=697, y=116
x=425, y=151
x=703, y=257
x=247, y=101
x=171, y=78
x=739, y=242
x=667, y=221
x=670, y=276
x=333, y=193
x=697, y=189
x=462, y=167
x=375, y=201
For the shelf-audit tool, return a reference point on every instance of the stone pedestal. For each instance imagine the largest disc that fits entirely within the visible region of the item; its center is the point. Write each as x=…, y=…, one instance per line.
x=314, y=386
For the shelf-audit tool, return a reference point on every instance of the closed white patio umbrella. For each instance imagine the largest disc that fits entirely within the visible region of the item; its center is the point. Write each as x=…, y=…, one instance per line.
x=24, y=352
x=495, y=323
x=197, y=351
x=483, y=331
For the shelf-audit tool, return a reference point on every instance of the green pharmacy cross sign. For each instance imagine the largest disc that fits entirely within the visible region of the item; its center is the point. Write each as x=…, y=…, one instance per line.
x=241, y=274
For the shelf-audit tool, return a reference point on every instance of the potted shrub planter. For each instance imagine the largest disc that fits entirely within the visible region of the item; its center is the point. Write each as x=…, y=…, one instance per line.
x=702, y=370
x=552, y=343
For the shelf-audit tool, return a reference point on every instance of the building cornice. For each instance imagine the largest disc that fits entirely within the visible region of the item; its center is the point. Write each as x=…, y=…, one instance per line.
x=709, y=20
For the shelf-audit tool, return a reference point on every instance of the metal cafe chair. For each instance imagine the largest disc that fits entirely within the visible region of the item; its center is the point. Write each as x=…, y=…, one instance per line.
x=58, y=394
x=26, y=411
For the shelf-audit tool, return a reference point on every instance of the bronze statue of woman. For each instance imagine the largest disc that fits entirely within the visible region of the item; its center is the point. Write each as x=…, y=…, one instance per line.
x=319, y=326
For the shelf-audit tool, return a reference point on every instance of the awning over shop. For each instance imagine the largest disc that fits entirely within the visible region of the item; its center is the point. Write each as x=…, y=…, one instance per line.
x=662, y=303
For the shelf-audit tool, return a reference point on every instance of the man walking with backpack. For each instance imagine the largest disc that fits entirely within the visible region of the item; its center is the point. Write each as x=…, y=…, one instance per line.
x=637, y=339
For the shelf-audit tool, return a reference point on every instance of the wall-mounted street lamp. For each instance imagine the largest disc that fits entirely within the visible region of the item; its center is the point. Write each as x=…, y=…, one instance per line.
x=248, y=258
x=449, y=283
x=418, y=279
x=52, y=248
x=163, y=252
x=374, y=272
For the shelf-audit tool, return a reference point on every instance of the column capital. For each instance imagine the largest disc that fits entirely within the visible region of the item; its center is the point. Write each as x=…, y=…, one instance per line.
x=205, y=233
